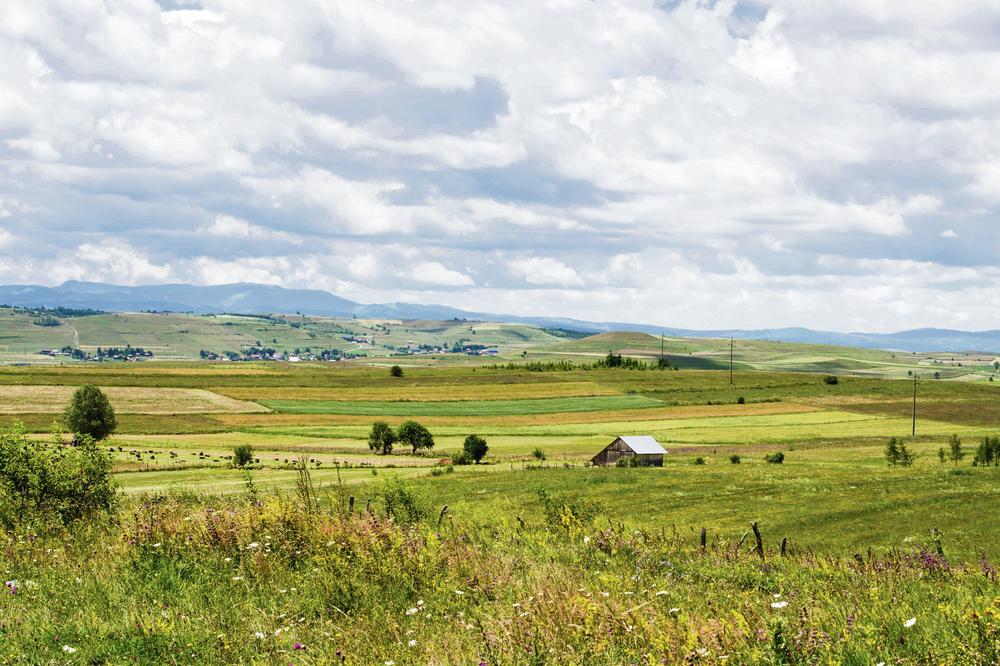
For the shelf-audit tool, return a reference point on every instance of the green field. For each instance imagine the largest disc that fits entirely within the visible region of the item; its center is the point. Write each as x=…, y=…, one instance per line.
x=519, y=559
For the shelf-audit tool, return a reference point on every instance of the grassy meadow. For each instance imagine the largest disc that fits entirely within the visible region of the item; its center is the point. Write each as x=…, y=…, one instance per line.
x=324, y=552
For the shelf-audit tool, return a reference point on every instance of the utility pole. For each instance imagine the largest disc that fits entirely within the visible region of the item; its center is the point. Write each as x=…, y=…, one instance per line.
x=913, y=431
x=730, y=361
x=661, y=349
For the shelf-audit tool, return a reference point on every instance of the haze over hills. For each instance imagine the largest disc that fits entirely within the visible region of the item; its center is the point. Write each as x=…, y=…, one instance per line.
x=249, y=298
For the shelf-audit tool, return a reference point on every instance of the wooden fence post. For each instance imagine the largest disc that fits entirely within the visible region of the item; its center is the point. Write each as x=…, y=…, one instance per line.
x=441, y=517
x=704, y=538
x=760, y=542
x=350, y=504
x=784, y=545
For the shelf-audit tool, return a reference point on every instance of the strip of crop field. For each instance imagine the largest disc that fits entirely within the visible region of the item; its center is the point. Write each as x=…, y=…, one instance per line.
x=135, y=400
x=417, y=392
x=469, y=407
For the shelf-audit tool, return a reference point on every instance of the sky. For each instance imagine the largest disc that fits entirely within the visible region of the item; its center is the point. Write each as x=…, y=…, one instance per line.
x=704, y=164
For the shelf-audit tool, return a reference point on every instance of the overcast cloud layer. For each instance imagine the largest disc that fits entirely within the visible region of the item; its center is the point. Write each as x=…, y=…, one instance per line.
x=826, y=163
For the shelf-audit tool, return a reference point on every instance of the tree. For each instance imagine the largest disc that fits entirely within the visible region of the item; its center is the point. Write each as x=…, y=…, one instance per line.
x=476, y=447
x=892, y=451
x=381, y=438
x=89, y=413
x=242, y=455
x=905, y=457
x=941, y=455
x=415, y=435
x=955, y=452
x=396, y=371
x=985, y=454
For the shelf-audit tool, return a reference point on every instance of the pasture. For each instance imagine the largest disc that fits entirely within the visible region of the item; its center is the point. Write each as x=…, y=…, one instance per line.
x=179, y=423
x=335, y=554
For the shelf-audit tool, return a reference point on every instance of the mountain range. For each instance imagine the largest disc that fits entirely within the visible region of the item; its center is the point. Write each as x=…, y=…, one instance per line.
x=248, y=298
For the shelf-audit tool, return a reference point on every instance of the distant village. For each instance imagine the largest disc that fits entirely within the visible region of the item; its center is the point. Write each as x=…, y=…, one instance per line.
x=126, y=353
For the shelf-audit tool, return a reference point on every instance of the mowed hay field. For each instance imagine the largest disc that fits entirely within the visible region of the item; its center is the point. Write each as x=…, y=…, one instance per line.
x=179, y=424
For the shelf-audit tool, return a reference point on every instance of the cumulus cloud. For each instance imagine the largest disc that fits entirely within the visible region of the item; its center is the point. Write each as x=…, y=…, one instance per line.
x=640, y=158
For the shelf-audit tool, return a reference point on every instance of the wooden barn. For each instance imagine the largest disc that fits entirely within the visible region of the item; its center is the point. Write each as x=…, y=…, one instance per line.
x=645, y=447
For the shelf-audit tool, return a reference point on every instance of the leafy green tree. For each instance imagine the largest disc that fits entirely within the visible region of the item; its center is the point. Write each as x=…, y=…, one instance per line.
x=396, y=371
x=892, y=451
x=986, y=453
x=941, y=455
x=415, y=435
x=381, y=438
x=242, y=455
x=955, y=452
x=90, y=413
x=476, y=447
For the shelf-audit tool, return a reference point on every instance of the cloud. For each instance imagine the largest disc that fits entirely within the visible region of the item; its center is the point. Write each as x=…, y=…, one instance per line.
x=545, y=270
x=781, y=157
x=433, y=272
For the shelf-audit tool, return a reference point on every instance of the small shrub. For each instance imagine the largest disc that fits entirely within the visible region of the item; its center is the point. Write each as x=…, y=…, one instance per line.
x=565, y=512
x=437, y=471
x=734, y=459
x=242, y=456
x=400, y=502
x=461, y=457
x=538, y=454
x=699, y=461
x=831, y=379
x=396, y=371
x=476, y=448
x=776, y=458
x=741, y=400
x=628, y=461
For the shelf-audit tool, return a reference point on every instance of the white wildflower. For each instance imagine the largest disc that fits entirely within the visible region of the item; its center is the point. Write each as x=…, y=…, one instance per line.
x=779, y=604
x=661, y=593
x=412, y=642
x=253, y=545
x=259, y=634
x=674, y=611
x=459, y=592
x=68, y=650
x=411, y=611
x=909, y=623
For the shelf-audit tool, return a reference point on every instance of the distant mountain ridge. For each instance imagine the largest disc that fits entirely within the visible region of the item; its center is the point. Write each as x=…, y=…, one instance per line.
x=249, y=298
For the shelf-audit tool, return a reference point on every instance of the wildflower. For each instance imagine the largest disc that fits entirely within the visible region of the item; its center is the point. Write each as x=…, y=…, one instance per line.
x=420, y=602
x=390, y=662
x=909, y=623
x=237, y=577
x=259, y=634
x=459, y=592
x=68, y=650
x=779, y=604
x=661, y=593
x=157, y=545
x=11, y=585
x=674, y=611
x=777, y=595
x=298, y=646
x=412, y=643
x=586, y=539
x=253, y=545
x=411, y=611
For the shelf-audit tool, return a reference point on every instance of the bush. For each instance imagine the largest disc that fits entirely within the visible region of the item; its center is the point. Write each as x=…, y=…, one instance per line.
x=538, y=454
x=461, y=458
x=776, y=458
x=562, y=511
x=396, y=371
x=401, y=503
x=741, y=400
x=699, y=461
x=242, y=455
x=734, y=459
x=629, y=461
x=56, y=483
x=89, y=413
x=415, y=435
x=831, y=379
x=476, y=448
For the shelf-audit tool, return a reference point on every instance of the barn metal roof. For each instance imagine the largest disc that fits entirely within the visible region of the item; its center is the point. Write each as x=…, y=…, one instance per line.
x=642, y=444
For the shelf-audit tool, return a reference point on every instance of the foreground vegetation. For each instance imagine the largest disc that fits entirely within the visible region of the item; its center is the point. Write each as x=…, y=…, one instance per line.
x=287, y=579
